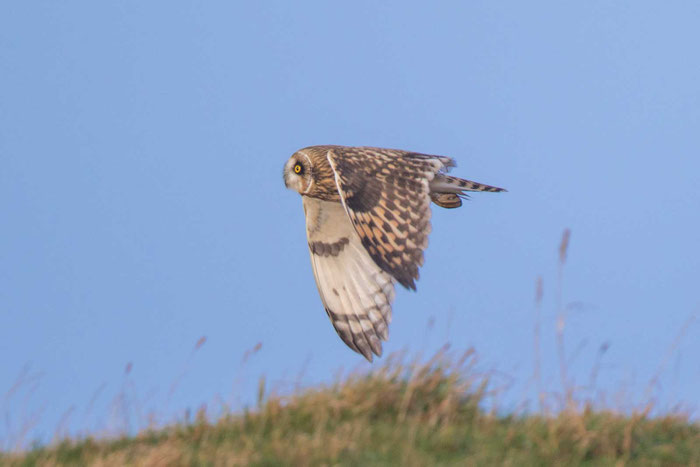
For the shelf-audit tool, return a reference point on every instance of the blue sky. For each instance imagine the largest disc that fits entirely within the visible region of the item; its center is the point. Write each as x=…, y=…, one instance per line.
x=142, y=204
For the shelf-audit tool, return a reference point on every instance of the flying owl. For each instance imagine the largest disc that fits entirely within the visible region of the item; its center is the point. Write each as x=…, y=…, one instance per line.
x=367, y=224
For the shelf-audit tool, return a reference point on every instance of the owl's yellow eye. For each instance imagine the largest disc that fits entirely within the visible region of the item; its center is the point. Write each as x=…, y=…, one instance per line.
x=297, y=169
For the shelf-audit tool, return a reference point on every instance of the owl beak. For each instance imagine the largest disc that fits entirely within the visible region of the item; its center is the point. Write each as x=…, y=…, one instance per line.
x=284, y=176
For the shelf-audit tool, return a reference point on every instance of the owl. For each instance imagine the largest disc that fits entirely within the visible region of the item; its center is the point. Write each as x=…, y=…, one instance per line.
x=367, y=223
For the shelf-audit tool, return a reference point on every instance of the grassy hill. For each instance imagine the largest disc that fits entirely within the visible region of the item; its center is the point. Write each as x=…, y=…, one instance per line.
x=400, y=414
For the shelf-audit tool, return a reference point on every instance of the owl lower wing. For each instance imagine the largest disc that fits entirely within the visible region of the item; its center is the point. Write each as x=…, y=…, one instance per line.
x=386, y=194
x=355, y=292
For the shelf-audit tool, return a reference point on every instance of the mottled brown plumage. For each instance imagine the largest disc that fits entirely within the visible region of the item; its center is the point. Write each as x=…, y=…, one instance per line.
x=367, y=221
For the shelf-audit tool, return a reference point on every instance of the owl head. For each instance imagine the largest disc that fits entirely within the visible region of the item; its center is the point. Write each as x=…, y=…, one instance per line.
x=298, y=173
x=309, y=173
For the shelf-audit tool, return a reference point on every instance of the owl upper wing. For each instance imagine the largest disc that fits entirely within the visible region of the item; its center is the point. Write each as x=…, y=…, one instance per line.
x=355, y=292
x=386, y=194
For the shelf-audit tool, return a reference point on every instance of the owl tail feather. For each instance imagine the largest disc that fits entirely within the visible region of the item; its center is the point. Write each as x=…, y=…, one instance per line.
x=447, y=191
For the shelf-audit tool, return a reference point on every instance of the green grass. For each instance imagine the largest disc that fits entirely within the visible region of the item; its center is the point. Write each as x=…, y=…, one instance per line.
x=400, y=414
